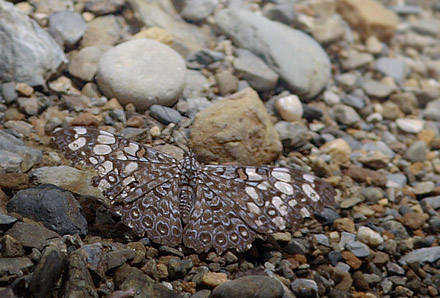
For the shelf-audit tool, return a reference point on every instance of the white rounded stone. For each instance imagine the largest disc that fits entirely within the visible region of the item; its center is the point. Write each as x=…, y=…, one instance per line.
x=142, y=72
x=290, y=108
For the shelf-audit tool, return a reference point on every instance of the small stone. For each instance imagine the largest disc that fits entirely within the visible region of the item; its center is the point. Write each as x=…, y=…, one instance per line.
x=432, y=110
x=31, y=234
x=165, y=115
x=369, y=237
x=396, y=180
x=105, y=30
x=413, y=220
x=355, y=60
x=178, y=268
x=84, y=63
x=226, y=82
x=13, y=268
x=424, y=187
x=213, y=279
x=392, y=67
x=338, y=149
x=289, y=107
x=351, y=260
x=67, y=27
x=198, y=10
x=421, y=255
x=377, y=89
x=416, y=152
x=304, y=287
x=345, y=115
x=358, y=248
x=360, y=174
x=369, y=17
x=410, y=125
x=374, y=46
x=10, y=247
x=250, y=286
x=118, y=257
x=345, y=224
x=24, y=89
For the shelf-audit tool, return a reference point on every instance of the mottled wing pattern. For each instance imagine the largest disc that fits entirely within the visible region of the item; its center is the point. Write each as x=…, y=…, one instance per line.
x=268, y=199
x=215, y=223
x=139, y=181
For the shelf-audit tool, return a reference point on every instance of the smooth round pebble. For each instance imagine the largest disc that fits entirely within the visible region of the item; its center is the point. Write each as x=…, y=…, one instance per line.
x=410, y=125
x=290, y=108
x=368, y=236
x=142, y=72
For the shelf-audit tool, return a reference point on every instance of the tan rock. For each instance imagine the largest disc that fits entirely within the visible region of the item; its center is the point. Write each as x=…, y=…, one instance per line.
x=344, y=225
x=213, y=279
x=156, y=33
x=236, y=129
x=338, y=149
x=369, y=17
x=24, y=89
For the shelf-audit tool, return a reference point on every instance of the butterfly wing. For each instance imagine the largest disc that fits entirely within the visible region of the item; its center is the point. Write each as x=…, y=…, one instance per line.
x=268, y=199
x=139, y=181
x=213, y=223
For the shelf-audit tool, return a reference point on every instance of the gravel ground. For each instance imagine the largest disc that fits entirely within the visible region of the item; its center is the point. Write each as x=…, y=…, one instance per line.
x=346, y=89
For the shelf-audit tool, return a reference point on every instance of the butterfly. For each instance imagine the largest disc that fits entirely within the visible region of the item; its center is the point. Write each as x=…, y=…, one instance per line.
x=204, y=206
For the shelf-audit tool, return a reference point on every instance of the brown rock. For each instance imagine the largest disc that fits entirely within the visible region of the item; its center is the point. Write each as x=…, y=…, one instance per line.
x=369, y=17
x=407, y=102
x=11, y=248
x=85, y=119
x=31, y=234
x=14, y=181
x=359, y=281
x=24, y=89
x=380, y=258
x=338, y=149
x=213, y=279
x=344, y=225
x=426, y=136
x=139, y=250
x=366, y=176
x=155, y=33
x=413, y=220
x=237, y=129
x=353, y=261
x=391, y=111
x=227, y=83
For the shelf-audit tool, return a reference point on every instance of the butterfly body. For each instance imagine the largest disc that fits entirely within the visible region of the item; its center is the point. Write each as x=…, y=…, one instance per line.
x=204, y=206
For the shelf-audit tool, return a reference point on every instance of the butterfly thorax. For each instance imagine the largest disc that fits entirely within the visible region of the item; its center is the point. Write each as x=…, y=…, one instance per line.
x=189, y=168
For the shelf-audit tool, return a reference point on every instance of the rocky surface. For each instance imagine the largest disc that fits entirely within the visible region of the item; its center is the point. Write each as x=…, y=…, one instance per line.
x=346, y=89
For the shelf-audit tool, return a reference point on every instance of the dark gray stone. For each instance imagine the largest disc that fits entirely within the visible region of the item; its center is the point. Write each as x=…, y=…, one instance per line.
x=358, y=248
x=56, y=208
x=12, y=268
x=302, y=287
x=79, y=282
x=6, y=219
x=178, y=268
x=165, y=115
x=47, y=272
x=421, y=255
x=416, y=152
x=118, y=257
x=8, y=92
x=31, y=234
x=254, y=71
x=203, y=58
x=250, y=287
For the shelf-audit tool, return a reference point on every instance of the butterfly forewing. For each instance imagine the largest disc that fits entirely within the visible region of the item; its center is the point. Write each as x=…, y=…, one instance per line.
x=217, y=206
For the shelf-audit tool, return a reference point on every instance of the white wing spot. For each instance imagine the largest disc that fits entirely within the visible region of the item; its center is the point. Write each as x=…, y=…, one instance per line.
x=292, y=203
x=103, y=132
x=280, y=222
x=106, y=139
x=309, y=178
x=263, y=185
x=130, y=168
x=252, y=175
x=131, y=149
x=103, y=185
x=279, y=205
x=253, y=208
x=284, y=187
x=128, y=180
x=281, y=176
x=305, y=212
x=102, y=149
x=77, y=144
x=310, y=192
x=244, y=233
x=80, y=130
x=251, y=192
x=105, y=168
x=93, y=160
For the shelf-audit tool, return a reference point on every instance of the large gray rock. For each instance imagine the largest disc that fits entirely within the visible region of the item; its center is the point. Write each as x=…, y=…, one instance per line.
x=298, y=59
x=143, y=72
x=27, y=53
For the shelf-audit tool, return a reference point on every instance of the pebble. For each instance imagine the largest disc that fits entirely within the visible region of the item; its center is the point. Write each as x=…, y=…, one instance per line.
x=66, y=27
x=432, y=110
x=421, y=255
x=198, y=10
x=416, y=152
x=161, y=84
x=10, y=247
x=392, y=67
x=213, y=279
x=410, y=125
x=338, y=149
x=250, y=286
x=345, y=115
x=369, y=237
x=358, y=248
x=293, y=64
x=196, y=85
x=227, y=82
x=377, y=89
x=290, y=108
x=31, y=234
x=254, y=71
x=15, y=155
x=304, y=287
x=355, y=60
x=413, y=220
x=84, y=64
x=434, y=201
x=165, y=115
